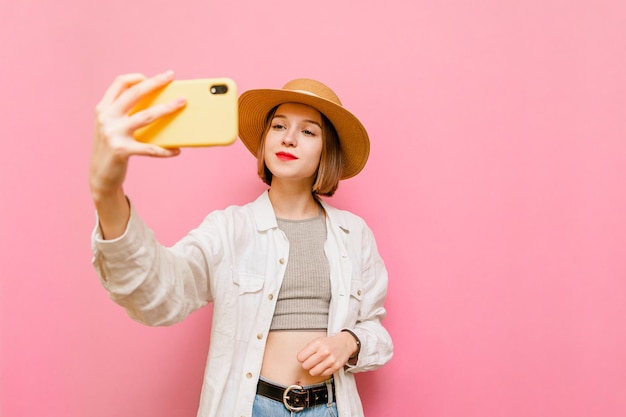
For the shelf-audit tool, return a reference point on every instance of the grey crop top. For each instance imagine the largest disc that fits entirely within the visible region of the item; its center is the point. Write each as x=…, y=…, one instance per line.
x=304, y=296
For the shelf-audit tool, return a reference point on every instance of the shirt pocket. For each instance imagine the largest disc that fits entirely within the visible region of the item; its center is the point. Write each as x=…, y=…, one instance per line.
x=247, y=282
x=244, y=308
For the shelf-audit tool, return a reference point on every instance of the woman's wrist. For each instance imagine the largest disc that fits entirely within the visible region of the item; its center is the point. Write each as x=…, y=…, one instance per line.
x=113, y=215
x=355, y=355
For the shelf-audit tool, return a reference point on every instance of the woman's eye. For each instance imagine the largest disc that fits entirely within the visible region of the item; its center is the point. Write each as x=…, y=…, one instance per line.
x=308, y=133
x=278, y=126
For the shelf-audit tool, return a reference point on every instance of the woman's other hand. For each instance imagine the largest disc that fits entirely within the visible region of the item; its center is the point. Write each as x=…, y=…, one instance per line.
x=326, y=355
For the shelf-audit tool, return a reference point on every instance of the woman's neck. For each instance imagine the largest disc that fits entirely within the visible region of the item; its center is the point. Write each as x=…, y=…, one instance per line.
x=293, y=203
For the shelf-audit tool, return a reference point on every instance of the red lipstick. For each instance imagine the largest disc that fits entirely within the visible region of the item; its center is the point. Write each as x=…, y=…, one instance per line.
x=285, y=156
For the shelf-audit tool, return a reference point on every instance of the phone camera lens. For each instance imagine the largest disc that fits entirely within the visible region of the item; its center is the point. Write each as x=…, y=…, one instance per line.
x=219, y=89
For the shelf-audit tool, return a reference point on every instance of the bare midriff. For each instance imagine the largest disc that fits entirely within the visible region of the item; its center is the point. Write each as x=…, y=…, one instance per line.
x=280, y=363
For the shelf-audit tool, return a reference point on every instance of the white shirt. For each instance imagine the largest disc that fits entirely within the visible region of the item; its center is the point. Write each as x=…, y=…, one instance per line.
x=236, y=259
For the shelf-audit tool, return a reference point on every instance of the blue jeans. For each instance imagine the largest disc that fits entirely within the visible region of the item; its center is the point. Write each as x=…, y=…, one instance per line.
x=266, y=407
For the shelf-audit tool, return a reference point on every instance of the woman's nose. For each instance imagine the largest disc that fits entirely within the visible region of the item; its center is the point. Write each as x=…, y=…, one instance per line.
x=289, y=138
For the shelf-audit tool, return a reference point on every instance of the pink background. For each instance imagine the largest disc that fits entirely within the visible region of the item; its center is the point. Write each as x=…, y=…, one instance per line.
x=496, y=189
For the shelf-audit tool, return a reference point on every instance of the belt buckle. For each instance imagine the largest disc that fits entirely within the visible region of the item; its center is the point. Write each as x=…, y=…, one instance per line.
x=286, y=398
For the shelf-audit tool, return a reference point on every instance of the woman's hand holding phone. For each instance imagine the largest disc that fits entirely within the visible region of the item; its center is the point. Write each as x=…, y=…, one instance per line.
x=114, y=143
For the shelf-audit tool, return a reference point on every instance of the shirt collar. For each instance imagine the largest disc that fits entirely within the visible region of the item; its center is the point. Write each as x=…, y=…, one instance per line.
x=265, y=218
x=335, y=217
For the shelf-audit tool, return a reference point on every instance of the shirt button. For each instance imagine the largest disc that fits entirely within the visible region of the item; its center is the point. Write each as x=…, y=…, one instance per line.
x=281, y=261
x=259, y=336
x=249, y=375
x=359, y=292
x=270, y=297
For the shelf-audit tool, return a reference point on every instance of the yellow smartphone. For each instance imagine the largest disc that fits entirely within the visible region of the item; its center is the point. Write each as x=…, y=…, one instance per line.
x=208, y=119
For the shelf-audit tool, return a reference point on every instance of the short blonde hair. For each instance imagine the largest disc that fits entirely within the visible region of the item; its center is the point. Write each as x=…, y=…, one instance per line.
x=330, y=165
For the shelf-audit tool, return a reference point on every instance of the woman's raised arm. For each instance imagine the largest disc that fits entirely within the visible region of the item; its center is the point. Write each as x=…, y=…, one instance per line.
x=114, y=144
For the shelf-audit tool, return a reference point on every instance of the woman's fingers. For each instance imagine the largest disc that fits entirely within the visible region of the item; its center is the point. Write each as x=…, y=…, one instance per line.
x=322, y=365
x=326, y=355
x=127, y=89
x=144, y=149
x=120, y=84
x=323, y=356
x=149, y=115
x=115, y=127
x=130, y=96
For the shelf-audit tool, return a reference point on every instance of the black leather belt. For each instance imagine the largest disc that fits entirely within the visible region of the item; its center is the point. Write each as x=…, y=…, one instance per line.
x=295, y=397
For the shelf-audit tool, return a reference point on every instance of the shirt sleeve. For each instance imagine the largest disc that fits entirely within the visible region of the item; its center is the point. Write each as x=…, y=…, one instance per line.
x=376, y=345
x=156, y=285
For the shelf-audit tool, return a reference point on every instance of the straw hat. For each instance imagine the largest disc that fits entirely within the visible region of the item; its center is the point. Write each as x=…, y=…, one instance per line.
x=254, y=106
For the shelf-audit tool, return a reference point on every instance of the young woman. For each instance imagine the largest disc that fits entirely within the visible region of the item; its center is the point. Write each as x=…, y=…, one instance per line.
x=298, y=286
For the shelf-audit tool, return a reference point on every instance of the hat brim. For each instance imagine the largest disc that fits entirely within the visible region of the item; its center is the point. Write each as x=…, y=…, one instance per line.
x=254, y=106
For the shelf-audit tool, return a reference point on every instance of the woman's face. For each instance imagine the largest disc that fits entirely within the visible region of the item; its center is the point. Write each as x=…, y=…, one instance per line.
x=293, y=145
